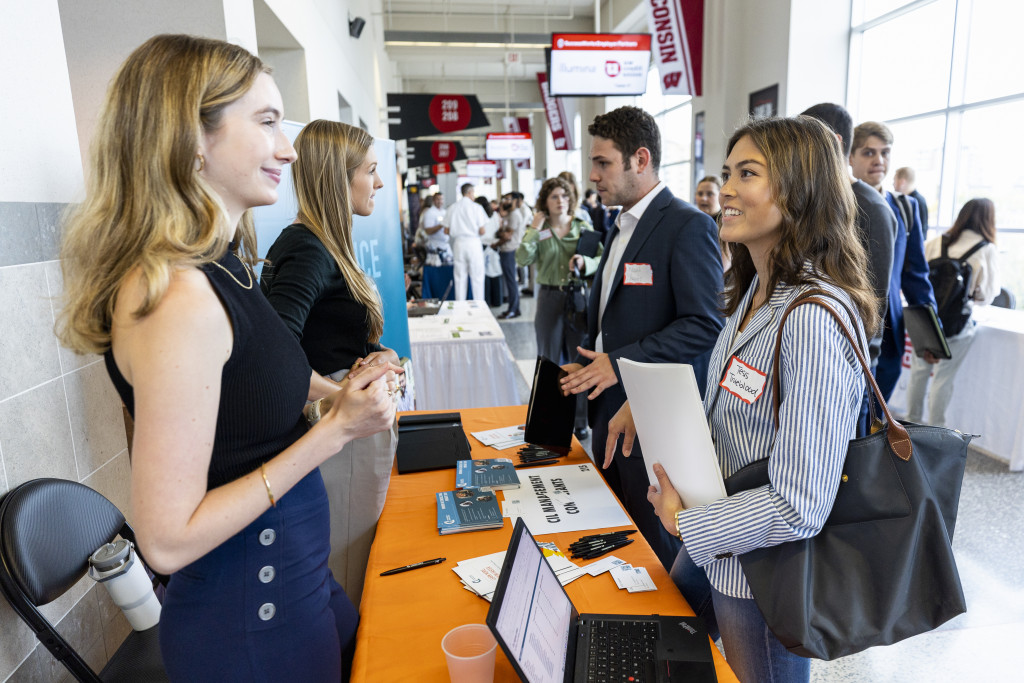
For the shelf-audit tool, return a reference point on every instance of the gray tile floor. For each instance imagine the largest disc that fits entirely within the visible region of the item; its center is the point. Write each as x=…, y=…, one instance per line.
x=982, y=645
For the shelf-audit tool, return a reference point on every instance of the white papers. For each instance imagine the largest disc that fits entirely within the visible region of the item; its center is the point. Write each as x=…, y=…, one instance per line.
x=633, y=579
x=672, y=428
x=564, y=498
x=603, y=565
x=503, y=437
x=480, y=574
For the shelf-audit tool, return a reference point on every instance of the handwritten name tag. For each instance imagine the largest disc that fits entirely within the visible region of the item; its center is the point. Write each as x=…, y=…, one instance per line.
x=743, y=381
x=544, y=234
x=637, y=274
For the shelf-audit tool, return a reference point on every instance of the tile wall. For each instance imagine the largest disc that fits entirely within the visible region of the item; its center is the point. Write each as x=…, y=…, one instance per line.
x=59, y=417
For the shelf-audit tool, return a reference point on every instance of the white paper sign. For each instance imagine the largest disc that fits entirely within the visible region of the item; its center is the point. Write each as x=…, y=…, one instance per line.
x=565, y=498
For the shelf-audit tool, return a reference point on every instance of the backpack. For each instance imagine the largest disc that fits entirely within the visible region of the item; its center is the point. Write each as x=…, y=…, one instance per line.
x=951, y=280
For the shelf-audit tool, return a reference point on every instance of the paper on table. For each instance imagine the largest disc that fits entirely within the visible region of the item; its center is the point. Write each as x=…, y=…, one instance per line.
x=564, y=498
x=671, y=426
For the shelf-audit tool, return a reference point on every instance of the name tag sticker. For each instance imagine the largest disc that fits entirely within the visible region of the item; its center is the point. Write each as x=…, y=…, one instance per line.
x=743, y=381
x=637, y=274
x=543, y=234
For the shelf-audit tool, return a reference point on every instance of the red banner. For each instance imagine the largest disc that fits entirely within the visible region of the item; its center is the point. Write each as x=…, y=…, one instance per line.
x=555, y=113
x=438, y=169
x=678, y=29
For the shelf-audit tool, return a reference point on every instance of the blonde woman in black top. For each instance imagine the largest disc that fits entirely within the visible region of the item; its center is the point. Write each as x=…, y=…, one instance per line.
x=314, y=282
x=157, y=262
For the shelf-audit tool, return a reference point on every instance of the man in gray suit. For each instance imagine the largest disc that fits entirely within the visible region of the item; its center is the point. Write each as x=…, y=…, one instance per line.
x=876, y=226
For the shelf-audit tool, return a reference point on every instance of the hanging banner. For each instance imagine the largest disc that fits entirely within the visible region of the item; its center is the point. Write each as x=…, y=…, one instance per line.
x=413, y=116
x=429, y=152
x=440, y=169
x=555, y=114
x=518, y=124
x=678, y=30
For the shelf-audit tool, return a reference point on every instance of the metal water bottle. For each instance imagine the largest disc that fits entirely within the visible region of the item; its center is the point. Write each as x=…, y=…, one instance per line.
x=117, y=567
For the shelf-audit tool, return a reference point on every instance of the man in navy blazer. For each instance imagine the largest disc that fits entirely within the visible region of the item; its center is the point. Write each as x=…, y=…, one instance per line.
x=869, y=161
x=655, y=296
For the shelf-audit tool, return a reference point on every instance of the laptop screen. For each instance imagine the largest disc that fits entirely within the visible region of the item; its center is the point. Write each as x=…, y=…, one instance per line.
x=531, y=612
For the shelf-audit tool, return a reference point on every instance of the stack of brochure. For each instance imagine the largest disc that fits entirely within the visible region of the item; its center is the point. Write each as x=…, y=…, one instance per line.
x=494, y=474
x=502, y=438
x=480, y=574
x=467, y=510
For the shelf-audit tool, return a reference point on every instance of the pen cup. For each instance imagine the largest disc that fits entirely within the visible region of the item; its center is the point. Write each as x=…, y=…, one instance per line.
x=470, y=651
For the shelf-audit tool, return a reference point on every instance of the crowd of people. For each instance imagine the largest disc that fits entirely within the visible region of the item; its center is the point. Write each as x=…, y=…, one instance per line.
x=248, y=396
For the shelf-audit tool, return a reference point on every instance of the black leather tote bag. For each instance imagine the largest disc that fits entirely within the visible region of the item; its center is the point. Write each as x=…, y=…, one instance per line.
x=882, y=568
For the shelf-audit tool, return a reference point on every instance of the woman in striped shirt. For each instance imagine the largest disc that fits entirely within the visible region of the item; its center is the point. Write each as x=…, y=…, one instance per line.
x=788, y=214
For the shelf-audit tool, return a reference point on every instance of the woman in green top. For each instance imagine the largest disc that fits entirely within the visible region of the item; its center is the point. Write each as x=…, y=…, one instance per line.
x=550, y=242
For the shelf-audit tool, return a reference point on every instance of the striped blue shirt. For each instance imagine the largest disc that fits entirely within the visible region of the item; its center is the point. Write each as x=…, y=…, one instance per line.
x=822, y=385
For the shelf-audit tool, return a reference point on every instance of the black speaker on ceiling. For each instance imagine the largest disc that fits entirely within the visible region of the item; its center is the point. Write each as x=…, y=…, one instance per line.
x=355, y=26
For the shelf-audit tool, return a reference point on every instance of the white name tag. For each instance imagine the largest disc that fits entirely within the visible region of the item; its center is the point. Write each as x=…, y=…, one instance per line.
x=743, y=381
x=543, y=234
x=637, y=274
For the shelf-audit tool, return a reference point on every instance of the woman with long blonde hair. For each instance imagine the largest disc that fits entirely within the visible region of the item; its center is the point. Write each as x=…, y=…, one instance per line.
x=157, y=261
x=312, y=279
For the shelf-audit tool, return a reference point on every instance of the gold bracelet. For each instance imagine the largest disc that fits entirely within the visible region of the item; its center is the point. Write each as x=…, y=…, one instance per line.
x=270, y=494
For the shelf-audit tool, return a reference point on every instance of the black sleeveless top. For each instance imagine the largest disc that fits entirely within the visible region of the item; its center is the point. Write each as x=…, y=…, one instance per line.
x=264, y=383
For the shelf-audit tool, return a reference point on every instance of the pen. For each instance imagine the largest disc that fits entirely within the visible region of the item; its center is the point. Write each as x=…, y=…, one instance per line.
x=594, y=537
x=424, y=563
x=531, y=463
x=597, y=552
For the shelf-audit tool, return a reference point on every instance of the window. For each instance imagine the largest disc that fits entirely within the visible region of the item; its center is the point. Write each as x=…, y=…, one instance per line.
x=673, y=114
x=945, y=76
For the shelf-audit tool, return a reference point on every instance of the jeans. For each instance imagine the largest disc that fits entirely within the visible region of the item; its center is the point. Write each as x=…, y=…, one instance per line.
x=692, y=582
x=508, y=271
x=752, y=650
x=943, y=374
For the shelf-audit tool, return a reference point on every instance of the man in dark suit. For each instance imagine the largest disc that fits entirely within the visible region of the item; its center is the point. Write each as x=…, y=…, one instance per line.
x=876, y=227
x=869, y=160
x=655, y=296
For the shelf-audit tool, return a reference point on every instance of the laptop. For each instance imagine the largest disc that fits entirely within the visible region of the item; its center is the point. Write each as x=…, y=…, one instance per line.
x=548, y=641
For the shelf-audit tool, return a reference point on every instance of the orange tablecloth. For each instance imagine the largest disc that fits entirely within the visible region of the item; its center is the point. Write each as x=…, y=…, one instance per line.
x=404, y=616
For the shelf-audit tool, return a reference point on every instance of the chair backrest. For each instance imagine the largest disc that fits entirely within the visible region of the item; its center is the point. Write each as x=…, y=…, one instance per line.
x=1005, y=299
x=48, y=529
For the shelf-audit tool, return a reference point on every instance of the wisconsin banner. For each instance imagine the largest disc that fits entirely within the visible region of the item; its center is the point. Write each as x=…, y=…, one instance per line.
x=678, y=45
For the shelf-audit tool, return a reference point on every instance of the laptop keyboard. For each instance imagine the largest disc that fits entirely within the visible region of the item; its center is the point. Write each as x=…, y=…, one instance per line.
x=619, y=650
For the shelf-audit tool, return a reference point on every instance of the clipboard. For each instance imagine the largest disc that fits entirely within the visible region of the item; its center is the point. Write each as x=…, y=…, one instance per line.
x=925, y=332
x=588, y=243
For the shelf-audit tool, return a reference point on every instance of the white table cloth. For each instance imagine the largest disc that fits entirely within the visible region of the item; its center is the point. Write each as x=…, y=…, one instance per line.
x=988, y=394
x=460, y=359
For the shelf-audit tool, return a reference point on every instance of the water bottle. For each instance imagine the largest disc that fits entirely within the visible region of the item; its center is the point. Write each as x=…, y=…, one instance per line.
x=118, y=568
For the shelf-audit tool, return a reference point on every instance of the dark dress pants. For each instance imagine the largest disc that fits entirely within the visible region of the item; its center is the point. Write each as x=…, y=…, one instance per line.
x=508, y=272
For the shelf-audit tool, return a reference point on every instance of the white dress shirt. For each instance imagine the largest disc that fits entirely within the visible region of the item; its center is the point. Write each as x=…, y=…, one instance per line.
x=626, y=222
x=464, y=219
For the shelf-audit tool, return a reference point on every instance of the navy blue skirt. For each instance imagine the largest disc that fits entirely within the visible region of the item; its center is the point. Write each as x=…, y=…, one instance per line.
x=262, y=606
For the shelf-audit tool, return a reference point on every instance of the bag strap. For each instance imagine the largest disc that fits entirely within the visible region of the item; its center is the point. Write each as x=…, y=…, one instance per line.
x=970, y=252
x=896, y=434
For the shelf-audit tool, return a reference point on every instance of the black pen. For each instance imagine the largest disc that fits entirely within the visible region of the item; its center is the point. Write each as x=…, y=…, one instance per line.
x=531, y=463
x=594, y=537
x=597, y=552
x=424, y=563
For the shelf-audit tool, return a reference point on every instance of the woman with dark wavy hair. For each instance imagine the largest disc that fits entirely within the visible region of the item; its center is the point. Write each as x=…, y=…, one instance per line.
x=788, y=215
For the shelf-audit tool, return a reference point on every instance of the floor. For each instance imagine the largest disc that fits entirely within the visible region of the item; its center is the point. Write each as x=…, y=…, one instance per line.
x=980, y=645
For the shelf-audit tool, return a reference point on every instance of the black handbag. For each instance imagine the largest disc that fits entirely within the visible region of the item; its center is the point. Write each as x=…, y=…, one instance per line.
x=882, y=568
x=576, y=302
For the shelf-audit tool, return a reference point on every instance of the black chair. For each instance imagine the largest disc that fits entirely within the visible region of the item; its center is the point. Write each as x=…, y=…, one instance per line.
x=48, y=529
x=1005, y=299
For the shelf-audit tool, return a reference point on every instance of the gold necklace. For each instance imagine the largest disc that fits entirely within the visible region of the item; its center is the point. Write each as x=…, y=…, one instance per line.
x=232, y=275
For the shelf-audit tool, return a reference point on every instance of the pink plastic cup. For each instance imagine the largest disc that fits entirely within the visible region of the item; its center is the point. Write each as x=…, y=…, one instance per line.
x=470, y=650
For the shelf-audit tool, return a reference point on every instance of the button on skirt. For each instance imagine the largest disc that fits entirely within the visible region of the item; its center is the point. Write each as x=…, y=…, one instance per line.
x=263, y=606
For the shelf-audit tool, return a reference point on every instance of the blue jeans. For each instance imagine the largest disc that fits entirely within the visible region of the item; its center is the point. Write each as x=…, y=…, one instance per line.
x=752, y=650
x=508, y=271
x=692, y=582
